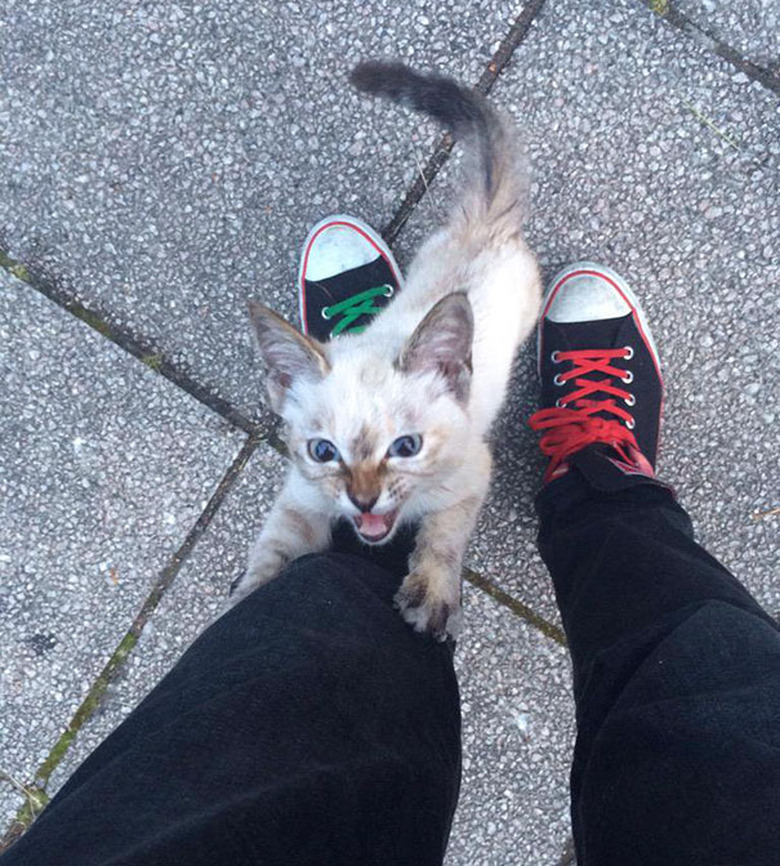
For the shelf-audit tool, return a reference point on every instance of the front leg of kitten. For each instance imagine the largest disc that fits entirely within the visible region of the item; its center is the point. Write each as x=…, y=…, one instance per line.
x=429, y=597
x=293, y=528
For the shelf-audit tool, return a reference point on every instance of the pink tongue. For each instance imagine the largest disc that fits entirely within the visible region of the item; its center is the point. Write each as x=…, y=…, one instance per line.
x=372, y=524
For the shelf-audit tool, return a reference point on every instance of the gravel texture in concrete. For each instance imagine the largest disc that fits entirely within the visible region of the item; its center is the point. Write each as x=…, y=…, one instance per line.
x=518, y=735
x=751, y=27
x=106, y=467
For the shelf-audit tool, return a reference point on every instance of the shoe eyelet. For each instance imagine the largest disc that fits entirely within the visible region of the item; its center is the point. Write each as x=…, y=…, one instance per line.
x=559, y=403
x=388, y=292
x=628, y=378
x=630, y=400
x=557, y=380
x=630, y=351
x=324, y=313
x=554, y=357
x=630, y=424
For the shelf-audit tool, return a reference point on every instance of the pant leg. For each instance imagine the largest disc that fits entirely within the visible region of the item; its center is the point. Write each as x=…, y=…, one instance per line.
x=309, y=725
x=677, y=685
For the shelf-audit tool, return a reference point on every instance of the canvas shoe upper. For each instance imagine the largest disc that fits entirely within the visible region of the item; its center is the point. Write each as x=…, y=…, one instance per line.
x=602, y=390
x=347, y=275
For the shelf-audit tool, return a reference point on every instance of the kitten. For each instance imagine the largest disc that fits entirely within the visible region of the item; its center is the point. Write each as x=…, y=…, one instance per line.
x=404, y=407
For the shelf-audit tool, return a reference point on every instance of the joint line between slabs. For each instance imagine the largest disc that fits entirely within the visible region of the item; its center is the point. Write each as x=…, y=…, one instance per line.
x=664, y=9
x=516, y=607
x=141, y=349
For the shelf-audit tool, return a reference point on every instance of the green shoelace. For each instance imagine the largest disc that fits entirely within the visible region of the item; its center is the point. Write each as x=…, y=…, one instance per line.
x=353, y=308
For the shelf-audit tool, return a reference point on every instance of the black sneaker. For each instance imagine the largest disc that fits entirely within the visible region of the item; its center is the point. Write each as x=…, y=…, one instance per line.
x=602, y=390
x=347, y=275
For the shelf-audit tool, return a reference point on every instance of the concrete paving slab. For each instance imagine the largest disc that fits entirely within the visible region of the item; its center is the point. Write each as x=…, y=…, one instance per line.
x=518, y=736
x=515, y=683
x=655, y=157
x=752, y=27
x=106, y=467
x=166, y=164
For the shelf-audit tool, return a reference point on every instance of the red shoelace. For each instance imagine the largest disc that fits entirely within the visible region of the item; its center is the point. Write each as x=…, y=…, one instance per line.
x=574, y=422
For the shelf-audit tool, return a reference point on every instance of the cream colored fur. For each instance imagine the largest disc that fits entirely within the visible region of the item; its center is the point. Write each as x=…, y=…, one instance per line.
x=356, y=393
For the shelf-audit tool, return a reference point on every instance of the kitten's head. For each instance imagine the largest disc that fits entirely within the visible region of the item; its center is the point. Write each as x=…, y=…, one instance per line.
x=378, y=433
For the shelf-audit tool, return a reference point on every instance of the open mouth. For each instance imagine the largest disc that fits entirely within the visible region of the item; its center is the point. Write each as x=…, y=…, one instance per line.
x=374, y=527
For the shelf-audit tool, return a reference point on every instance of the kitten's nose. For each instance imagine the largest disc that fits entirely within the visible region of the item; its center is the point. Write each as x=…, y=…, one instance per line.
x=365, y=505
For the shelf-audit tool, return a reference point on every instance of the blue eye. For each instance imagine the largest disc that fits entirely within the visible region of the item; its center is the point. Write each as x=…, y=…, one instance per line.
x=323, y=451
x=405, y=446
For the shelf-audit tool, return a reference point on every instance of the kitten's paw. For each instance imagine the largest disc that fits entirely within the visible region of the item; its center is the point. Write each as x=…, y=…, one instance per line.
x=426, y=610
x=240, y=589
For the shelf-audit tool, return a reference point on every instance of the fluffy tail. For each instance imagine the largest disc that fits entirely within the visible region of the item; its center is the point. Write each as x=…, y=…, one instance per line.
x=467, y=114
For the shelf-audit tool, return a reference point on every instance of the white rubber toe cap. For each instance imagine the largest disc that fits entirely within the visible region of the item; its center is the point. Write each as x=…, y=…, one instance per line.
x=583, y=295
x=336, y=249
x=586, y=292
x=340, y=243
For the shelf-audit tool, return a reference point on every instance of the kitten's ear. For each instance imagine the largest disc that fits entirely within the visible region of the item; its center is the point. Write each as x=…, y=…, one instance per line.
x=442, y=343
x=288, y=354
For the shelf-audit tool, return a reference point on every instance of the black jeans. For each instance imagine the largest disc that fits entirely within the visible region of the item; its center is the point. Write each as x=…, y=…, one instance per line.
x=676, y=681
x=310, y=725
